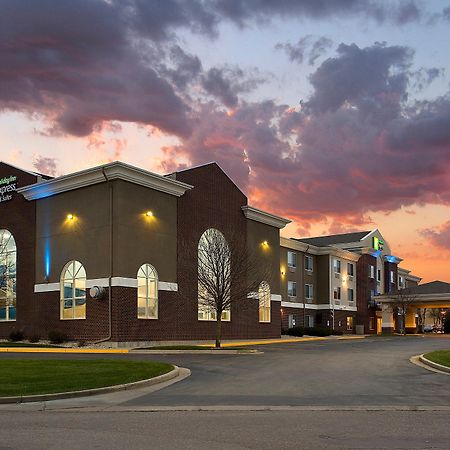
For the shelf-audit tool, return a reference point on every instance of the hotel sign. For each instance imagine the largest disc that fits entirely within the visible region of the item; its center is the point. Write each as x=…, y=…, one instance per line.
x=377, y=243
x=8, y=185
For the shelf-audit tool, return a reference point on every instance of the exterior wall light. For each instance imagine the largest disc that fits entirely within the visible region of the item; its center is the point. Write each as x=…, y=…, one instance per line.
x=69, y=216
x=149, y=214
x=265, y=243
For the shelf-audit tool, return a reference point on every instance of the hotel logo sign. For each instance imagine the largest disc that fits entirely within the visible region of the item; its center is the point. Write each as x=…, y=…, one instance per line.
x=8, y=185
x=377, y=244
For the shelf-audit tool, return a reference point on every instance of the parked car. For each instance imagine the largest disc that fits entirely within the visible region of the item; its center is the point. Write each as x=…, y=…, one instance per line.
x=428, y=328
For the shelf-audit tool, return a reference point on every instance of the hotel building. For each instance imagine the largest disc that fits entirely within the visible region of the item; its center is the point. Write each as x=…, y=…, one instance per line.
x=105, y=254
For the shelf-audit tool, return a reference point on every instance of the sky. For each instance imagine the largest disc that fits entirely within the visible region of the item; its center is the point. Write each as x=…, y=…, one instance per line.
x=335, y=114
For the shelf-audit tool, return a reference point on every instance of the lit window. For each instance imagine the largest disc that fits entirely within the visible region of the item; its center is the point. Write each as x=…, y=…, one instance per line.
x=8, y=277
x=292, y=259
x=371, y=271
x=309, y=291
x=264, y=302
x=309, y=263
x=337, y=293
x=350, y=269
x=73, y=291
x=214, y=275
x=292, y=289
x=351, y=295
x=337, y=266
x=147, y=279
x=392, y=276
x=349, y=323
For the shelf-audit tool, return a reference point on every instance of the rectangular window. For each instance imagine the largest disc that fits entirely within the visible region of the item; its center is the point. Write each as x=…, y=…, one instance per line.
x=351, y=295
x=400, y=282
x=292, y=259
x=349, y=323
x=350, y=269
x=309, y=263
x=371, y=271
x=378, y=275
x=337, y=293
x=309, y=321
x=337, y=266
x=309, y=293
x=392, y=276
x=372, y=323
x=292, y=289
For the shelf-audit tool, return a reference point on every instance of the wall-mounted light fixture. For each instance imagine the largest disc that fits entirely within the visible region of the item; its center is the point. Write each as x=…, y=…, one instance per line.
x=70, y=216
x=149, y=214
x=265, y=244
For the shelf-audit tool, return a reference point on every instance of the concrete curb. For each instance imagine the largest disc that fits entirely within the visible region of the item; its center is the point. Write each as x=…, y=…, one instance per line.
x=61, y=350
x=434, y=365
x=195, y=352
x=89, y=392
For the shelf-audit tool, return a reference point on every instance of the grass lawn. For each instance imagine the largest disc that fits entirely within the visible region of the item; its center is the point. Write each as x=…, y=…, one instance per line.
x=440, y=357
x=28, y=377
x=26, y=344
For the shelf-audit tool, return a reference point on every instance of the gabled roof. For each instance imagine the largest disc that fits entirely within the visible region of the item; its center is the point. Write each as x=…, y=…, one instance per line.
x=100, y=174
x=325, y=241
x=433, y=287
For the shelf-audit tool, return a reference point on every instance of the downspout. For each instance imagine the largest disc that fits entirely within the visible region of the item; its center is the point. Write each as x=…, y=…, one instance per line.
x=111, y=254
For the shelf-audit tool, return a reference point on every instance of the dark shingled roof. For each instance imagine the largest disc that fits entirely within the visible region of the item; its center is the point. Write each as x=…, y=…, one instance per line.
x=434, y=287
x=325, y=241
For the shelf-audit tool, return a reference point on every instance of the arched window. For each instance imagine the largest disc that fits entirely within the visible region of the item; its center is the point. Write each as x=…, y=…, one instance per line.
x=264, y=302
x=8, y=259
x=214, y=276
x=73, y=291
x=147, y=278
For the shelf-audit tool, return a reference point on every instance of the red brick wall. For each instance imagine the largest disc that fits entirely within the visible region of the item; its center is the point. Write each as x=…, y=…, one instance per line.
x=364, y=285
x=19, y=217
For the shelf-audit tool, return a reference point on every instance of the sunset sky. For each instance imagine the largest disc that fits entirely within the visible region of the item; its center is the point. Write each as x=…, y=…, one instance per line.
x=335, y=114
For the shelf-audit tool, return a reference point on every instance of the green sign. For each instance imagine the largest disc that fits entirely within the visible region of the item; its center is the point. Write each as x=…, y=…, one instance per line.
x=7, y=187
x=377, y=243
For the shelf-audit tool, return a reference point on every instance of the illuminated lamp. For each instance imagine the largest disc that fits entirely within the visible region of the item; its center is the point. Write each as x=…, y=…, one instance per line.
x=149, y=214
x=69, y=216
x=265, y=243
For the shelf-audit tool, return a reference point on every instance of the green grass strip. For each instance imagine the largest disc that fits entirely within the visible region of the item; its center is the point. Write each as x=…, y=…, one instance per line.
x=26, y=344
x=30, y=377
x=187, y=347
x=440, y=356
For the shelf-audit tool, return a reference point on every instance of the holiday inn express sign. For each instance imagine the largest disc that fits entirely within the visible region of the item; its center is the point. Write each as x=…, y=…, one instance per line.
x=8, y=185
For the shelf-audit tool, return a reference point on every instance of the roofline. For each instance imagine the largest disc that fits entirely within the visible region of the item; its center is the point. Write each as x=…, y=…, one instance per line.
x=36, y=174
x=293, y=244
x=369, y=234
x=94, y=175
x=264, y=217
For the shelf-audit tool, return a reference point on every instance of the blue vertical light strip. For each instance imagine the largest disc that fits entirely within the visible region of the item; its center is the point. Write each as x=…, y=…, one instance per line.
x=47, y=257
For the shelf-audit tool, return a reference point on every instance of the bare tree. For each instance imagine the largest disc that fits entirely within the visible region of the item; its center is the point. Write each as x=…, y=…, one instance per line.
x=435, y=314
x=421, y=315
x=402, y=300
x=227, y=272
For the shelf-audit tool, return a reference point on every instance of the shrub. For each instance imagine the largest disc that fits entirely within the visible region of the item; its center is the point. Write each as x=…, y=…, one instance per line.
x=57, y=337
x=81, y=343
x=295, y=331
x=337, y=332
x=318, y=331
x=16, y=335
x=35, y=338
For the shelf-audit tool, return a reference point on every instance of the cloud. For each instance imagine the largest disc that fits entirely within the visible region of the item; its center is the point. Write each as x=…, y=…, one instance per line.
x=45, y=165
x=440, y=236
x=226, y=83
x=339, y=155
x=306, y=47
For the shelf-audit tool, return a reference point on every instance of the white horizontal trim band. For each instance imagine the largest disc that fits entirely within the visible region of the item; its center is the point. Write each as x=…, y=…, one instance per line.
x=104, y=282
x=317, y=307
